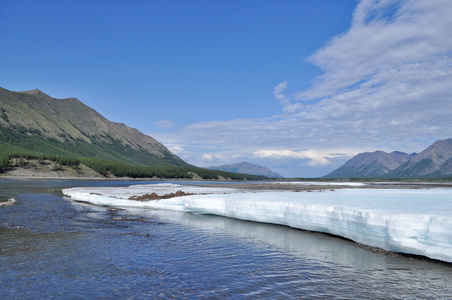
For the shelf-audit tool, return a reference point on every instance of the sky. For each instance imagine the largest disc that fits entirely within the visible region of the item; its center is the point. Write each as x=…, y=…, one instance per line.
x=297, y=86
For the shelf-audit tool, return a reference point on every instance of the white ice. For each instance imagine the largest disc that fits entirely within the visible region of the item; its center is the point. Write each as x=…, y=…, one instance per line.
x=322, y=183
x=414, y=221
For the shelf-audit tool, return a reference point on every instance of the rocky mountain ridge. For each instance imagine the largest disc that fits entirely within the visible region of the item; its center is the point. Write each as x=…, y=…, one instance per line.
x=35, y=113
x=434, y=161
x=69, y=118
x=370, y=164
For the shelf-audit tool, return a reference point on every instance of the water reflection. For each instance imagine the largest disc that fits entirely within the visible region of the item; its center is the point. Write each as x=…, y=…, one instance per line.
x=338, y=263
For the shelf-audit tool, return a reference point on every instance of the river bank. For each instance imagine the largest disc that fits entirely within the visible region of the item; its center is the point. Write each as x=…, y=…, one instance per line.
x=270, y=185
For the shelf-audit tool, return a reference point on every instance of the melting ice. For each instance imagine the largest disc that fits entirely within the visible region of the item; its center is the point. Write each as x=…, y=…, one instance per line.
x=414, y=221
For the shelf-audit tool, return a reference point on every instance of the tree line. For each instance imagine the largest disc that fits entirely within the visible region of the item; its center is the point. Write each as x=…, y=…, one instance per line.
x=112, y=168
x=18, y=139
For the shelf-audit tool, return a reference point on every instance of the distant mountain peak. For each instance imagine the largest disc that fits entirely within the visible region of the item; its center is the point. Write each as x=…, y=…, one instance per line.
x=247, y=168
x=370, y=164
x=431, y=160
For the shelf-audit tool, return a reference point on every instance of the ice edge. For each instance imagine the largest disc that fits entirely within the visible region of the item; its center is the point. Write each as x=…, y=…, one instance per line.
x=419, y=234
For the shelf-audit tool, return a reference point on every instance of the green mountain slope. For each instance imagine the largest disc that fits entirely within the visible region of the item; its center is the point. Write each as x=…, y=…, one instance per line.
x=33, y=122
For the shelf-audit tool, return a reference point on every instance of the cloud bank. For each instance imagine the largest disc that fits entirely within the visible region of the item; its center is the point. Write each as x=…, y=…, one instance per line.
x=386, y=84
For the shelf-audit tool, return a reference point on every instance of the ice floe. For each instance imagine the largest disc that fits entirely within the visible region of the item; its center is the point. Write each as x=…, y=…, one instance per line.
x=9, y=202
x=414, y=221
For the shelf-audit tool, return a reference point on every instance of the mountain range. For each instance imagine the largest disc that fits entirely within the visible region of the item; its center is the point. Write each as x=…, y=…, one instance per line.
x=247, y=168
x=34, y=124
x=434, y=161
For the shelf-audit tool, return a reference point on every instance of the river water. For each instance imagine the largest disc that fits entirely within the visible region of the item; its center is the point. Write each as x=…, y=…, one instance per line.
x=53, y=247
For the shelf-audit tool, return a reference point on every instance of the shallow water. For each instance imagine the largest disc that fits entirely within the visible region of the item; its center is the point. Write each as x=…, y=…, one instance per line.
x=51, y=246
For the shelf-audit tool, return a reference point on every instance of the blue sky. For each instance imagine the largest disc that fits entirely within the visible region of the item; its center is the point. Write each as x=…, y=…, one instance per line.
x=297, y=86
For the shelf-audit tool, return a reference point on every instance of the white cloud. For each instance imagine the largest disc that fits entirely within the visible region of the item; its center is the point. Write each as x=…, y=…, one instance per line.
x=178, y=150
x=207, y=157
x=283, y=99
x=387, y=85
x=164, y=124
x=374, y=49
x=277, y=92
x=316, y=157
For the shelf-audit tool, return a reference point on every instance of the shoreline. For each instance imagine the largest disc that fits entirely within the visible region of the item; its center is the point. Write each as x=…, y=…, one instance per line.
x=270, y=185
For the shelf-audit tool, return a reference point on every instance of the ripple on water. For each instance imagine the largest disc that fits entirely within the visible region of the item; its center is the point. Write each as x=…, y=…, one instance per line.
x=66, y=249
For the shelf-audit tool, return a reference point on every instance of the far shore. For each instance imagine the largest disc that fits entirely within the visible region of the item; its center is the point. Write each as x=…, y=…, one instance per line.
x=294, y=185
x=308, y=186
x=33, y=170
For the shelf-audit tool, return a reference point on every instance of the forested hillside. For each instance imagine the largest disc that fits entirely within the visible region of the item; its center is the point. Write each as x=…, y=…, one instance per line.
x=34, y=125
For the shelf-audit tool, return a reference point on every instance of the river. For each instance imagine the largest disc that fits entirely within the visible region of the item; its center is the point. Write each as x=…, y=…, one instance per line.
x=53, y=247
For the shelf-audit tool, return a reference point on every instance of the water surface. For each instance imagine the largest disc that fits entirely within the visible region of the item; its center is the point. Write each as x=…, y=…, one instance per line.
x=51, y=246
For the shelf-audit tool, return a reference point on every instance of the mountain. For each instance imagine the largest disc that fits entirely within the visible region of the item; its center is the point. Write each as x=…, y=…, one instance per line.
x=370, y=164
x=247, y=168
x=34, y=122
x=446, y=168
x=435, y=160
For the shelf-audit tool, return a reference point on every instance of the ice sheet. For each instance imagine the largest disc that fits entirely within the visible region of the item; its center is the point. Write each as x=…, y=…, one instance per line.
x=323, y=183
x=415, y=221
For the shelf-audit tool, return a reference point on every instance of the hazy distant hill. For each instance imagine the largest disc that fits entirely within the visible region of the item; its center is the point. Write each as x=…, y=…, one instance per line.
x=435, y=161
x=35, y=122
x=247, y=168
x=370, y=164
